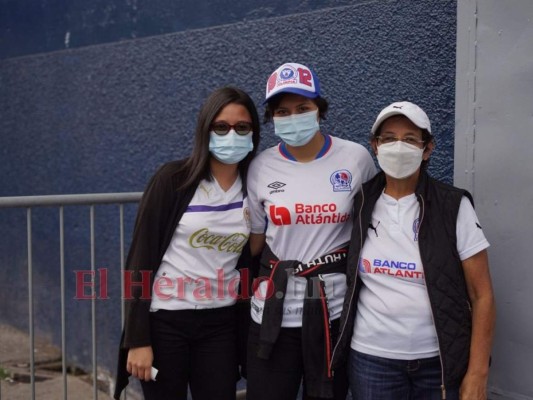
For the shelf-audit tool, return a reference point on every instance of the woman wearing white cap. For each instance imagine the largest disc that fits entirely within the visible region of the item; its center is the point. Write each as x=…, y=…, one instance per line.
x=189, y=241
x=301, y=195
x=418, y=316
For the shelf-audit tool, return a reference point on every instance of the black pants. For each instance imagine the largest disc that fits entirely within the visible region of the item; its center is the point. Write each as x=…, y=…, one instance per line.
x=196, y=348
x=280, y=376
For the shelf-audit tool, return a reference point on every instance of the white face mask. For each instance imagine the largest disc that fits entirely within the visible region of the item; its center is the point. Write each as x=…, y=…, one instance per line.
x=297, y=130
x=230, y=148
x=399, y=159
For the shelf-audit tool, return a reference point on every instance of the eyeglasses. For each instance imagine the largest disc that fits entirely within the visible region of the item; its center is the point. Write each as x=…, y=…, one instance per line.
x=412, y=140
x=222, y=128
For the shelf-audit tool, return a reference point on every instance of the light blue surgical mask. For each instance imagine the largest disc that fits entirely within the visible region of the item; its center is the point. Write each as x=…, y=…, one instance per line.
x=230, y=148
x=297, y=130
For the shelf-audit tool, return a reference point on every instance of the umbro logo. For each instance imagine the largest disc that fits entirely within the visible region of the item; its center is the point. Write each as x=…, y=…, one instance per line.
x=276, y=186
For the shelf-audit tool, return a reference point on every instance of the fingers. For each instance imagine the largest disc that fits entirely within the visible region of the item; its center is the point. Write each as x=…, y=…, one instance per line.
x=148, y=373
x=139, y=362
x=141, y=372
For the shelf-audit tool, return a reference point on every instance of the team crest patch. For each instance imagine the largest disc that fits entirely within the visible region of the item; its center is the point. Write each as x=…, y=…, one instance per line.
x=341, y=180
x=288, y=73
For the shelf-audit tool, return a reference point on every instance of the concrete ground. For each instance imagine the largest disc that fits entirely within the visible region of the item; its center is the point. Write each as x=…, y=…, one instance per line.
x=15, y=371
x=15, y=375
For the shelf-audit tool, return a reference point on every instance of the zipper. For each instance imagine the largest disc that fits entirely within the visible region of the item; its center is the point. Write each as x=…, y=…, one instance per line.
x=341, y=333
x=422, y=213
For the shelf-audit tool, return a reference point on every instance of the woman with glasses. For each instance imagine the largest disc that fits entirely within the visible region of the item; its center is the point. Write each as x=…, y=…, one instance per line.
x=182, y=272
x=301, y=194
x=418, y=316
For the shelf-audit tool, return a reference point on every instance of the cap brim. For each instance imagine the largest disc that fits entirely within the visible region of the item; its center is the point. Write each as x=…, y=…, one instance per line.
x=392, y=113
x=383, y=118
x=301, y=92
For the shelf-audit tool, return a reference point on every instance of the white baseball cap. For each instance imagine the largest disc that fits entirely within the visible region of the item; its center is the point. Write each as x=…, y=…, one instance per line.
x=410, y=110
x=293, y=78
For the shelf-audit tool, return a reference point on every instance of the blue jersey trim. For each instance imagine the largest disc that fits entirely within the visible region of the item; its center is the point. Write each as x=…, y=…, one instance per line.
x=323, y=151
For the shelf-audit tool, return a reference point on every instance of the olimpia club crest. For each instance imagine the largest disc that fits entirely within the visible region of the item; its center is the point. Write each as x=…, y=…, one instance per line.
x=341, y=180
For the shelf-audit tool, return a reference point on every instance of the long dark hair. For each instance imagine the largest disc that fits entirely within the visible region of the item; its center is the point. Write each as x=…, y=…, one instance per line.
x=197, y=166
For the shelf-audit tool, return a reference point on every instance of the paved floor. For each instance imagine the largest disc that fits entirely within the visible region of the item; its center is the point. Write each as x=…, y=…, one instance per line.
x=15, y=376
x=49, y=382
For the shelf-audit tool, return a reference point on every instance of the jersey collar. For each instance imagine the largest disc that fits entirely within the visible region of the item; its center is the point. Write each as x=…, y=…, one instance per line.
x=323, y=151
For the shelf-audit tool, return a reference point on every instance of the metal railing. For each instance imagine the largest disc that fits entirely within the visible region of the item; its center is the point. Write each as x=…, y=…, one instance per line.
x=61, y=201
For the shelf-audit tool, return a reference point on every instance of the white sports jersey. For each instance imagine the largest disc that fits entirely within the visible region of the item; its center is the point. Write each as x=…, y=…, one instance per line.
x=198, y=268
x=394, y=317
x=305, y=210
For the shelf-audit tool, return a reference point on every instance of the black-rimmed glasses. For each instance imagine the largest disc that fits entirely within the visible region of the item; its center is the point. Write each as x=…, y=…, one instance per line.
x=222, y=128
x=412, y=140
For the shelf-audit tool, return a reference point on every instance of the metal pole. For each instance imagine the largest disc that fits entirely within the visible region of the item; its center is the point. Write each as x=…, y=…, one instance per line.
x=30, y=304
x=63, y=319
x=69, y=199
x=122, y=266
x=122, y=311
x=93, y=307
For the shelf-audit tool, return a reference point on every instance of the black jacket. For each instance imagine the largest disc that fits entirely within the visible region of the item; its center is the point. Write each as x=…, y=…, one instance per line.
x=445, y=282
x=160, y=210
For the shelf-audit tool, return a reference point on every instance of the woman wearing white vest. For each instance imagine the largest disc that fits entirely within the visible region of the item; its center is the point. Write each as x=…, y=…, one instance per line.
x=189, y=240
x=301, y=194
x=418, y=316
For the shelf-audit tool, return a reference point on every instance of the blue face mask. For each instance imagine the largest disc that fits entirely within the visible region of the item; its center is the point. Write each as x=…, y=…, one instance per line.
x=297, y=130
x=230, y=148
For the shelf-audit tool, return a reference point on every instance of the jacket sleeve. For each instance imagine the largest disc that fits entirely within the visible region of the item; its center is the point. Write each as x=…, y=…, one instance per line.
x=144, y=258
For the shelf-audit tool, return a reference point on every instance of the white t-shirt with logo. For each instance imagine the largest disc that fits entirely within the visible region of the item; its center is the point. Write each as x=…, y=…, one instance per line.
x=305, y=210
x=394, y=318
x=198, y=267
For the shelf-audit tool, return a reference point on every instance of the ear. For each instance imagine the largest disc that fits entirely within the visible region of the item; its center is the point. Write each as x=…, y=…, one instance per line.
x=374, y=144
x=429, y=149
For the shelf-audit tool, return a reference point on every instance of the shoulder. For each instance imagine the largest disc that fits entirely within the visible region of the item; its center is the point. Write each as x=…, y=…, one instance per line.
x=165, y=179
x=348, y=150
x=354, y=155
x=347, y=145
x=444, y=195
x=450, y=190
x=169, y=172
x=265, y=156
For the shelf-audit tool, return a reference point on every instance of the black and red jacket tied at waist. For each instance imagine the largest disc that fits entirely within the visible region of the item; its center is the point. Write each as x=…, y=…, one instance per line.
x=316, y=325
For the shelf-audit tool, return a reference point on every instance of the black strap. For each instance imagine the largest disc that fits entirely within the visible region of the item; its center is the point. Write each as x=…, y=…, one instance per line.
x=316, y=332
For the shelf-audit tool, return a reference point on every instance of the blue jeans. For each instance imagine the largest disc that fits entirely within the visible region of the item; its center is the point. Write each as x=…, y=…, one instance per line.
x=378, y=378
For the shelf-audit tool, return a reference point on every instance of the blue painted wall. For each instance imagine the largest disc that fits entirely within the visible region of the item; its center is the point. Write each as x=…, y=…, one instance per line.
x=101, y=118
x=39, y=26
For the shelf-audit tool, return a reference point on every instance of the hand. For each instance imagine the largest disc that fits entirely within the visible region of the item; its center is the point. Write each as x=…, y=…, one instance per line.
x=473, y=387
x=140, y=361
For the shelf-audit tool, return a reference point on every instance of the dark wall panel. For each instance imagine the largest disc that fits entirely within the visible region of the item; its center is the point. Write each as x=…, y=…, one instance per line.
x=38, y=26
